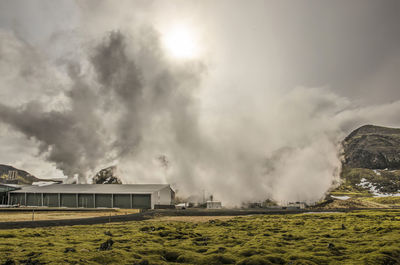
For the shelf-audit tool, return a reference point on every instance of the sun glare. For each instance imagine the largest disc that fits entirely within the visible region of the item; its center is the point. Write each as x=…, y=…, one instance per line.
x=180, y=43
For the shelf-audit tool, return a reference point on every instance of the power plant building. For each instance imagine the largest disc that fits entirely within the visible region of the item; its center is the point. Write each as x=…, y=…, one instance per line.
x=127, y=196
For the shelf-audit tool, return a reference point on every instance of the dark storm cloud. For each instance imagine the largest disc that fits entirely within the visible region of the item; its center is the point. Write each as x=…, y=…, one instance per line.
x=70, y=137
x=78, y=138
x=120, y=78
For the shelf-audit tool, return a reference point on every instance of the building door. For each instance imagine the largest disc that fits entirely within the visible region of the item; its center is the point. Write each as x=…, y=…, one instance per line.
x=141, y=201
x=34, y=199
x=86, y=200
x=122, y=201
x=103, y=200
x=68, y=200
x=50, y=199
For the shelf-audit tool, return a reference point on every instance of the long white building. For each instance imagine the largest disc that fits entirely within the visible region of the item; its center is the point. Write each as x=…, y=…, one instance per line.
x=133, y=196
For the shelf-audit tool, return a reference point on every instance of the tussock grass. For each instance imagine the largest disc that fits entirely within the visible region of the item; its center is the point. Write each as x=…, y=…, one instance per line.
x=360, y=237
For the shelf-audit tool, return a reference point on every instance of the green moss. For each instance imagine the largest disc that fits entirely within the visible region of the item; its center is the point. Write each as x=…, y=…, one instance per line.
x=366, y=237
x=386, y=200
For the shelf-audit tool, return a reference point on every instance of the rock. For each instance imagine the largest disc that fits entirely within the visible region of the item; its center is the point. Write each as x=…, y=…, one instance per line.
x=372, y=147
x=106, y=245
x=343, y=227
x=69, y=250
x=331, y=246
x=171, y=256
x=9, y=262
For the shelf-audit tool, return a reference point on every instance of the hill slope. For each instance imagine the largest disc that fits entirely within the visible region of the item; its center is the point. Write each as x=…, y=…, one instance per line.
x=373, y=147
x=23, y=177
x=371, y=163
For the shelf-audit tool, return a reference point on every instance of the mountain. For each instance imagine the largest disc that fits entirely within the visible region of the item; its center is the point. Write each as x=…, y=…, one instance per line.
x=372, y=147
x=107, y=176
x=371, y=161
x=21, y=176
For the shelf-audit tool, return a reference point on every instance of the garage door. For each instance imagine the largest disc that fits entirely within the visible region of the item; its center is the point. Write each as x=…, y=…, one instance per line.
x=86, y=200
x=103, y=200
x=34, y=199
x=50, y=199
x=122, y=201
x=141, y=201
x=68, y=200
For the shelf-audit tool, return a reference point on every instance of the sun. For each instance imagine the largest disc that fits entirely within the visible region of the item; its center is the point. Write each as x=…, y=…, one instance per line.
x=180, y=43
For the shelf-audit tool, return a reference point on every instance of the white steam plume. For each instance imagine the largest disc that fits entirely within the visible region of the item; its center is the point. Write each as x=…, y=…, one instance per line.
x=120, y=100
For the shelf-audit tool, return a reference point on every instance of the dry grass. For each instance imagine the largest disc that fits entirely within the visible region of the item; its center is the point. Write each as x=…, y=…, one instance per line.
x=190, y=219
x=57, y=215
x=354, y=203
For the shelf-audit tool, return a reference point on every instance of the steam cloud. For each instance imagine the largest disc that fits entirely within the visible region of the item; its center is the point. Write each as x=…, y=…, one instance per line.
x=122, y=101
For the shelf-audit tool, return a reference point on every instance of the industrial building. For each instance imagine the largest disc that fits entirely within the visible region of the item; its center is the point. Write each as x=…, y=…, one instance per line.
x=128, y=196
x=4, y=190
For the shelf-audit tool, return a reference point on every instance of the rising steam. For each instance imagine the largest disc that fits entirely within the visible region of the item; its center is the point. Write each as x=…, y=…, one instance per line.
x=121, y=101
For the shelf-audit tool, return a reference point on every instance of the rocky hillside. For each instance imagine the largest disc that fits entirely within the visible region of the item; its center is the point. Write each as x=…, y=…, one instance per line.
x=372, y=161
x=107, y=176
x=22, y=177
x=372, y=147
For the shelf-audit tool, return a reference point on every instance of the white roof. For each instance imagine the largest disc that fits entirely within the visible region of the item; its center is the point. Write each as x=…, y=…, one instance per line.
x=11, y=185
x=94, y=188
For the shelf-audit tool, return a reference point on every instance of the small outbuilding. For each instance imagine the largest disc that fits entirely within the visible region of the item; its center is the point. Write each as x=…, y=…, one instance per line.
x=214, y=205
x=128, y=196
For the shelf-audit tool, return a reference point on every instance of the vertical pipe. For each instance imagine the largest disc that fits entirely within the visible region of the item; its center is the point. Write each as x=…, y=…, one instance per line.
x=26, y=203
x=59, y=200
x=94, y=200
x=77, y=200
x=112, y=200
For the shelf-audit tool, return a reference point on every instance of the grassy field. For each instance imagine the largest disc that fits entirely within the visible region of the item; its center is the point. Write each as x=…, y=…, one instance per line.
x=57, y=215
x=361, y=237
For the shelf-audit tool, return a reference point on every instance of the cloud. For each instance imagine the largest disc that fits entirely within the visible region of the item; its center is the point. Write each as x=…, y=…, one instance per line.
x=235, y=123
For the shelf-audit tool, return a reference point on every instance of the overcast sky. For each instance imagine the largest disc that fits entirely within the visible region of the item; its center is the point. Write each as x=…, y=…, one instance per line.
x=254, y=53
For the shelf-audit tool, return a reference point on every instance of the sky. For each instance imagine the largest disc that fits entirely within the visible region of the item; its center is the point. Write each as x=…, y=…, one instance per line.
x=261, y=99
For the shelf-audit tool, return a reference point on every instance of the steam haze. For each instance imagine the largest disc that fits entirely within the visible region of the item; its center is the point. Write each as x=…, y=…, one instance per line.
x=258, y=113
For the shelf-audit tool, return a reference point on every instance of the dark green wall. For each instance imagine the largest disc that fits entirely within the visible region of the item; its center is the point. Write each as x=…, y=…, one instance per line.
x=86, y=200
x=34, y=199
x=50, y=200
x=141, y=201
x=68, y=200
x=122, y=201
x=103, y=200
x=17, y=198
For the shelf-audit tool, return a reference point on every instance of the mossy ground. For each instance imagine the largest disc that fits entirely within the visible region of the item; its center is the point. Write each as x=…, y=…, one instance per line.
x=361, y=237
x=387, y=181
